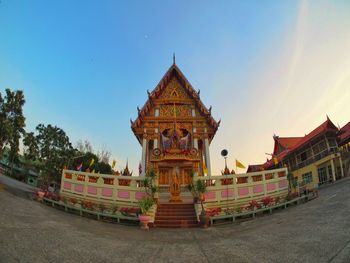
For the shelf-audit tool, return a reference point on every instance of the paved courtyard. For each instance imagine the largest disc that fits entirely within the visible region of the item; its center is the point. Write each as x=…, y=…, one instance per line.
x=318, y=231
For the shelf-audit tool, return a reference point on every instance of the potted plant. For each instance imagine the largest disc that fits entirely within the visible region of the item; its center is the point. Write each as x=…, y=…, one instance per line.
x=145, y=206
x=149, y=200
x=198, y=190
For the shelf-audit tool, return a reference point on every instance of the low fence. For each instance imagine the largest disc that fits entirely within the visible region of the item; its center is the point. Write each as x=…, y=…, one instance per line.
x=233, y=216
x=233, y=191
x=110, y=189
x=222, y=191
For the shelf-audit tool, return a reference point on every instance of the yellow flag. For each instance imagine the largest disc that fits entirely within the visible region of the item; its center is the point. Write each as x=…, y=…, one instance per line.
x=239, y=164
x=114, y=163
x=275, y=160
x=92, y=162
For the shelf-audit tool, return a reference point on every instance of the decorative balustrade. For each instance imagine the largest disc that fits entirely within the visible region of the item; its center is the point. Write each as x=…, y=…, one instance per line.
x=234, y=190
x=240, y=188
x=102, y=187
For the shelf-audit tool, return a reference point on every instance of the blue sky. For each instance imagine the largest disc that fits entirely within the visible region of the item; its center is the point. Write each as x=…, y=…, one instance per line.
x=265, y=66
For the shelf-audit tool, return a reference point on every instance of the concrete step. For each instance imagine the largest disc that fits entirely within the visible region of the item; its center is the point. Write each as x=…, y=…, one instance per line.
x=171, y=217
x=175, y=215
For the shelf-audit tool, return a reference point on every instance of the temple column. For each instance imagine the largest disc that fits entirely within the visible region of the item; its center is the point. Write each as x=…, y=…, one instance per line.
x=155, y=141
x=207, y=155
x=144, y=150
x=195, y=143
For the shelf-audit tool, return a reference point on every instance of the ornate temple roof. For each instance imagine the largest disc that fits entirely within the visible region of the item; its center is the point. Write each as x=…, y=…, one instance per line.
x=174, y=71
x=126, y=171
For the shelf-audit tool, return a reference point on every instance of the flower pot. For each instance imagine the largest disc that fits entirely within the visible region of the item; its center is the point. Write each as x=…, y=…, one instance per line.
x=144, y=220
x=204, y=220
x=41, y=195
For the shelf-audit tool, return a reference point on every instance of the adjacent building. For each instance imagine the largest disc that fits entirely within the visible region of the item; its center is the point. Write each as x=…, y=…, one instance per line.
x=344, y=147
x=314, y=159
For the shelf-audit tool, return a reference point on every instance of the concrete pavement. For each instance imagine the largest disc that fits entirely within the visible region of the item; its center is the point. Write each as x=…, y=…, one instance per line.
x=318, y=231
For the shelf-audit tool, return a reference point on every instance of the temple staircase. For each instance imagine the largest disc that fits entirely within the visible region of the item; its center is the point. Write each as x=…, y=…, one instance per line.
x=176, y=215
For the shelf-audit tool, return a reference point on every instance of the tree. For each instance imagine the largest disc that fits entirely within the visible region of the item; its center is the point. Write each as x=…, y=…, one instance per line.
x=31, y=150
x=104, y=155
x=4, y=126
x=84, y=147
x=14, y=122
x=55, y=150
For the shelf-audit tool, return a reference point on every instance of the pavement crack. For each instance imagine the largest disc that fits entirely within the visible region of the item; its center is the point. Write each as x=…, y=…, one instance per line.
x=201, y=247
x=339, y=251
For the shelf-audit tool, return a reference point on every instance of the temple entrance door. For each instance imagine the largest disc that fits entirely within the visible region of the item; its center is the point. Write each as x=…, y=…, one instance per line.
x=165, y=174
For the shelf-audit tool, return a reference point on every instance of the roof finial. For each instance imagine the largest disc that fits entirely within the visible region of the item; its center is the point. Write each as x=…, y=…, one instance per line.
x=174, y=58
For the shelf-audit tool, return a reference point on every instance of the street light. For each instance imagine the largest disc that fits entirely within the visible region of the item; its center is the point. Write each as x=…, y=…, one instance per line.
x=224, y=154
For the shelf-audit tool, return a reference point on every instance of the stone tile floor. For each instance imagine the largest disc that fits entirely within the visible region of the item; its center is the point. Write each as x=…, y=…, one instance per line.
x=317, y=231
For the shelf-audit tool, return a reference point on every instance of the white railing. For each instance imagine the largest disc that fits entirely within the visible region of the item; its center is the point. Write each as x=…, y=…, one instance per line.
x=238, y=189
x=126, y=190
x=231, y=190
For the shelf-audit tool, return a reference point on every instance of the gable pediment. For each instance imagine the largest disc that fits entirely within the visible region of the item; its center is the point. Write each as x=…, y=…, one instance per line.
x=174, y=97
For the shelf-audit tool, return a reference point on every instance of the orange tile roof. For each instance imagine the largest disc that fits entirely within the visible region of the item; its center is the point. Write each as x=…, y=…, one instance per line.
x=294, y=143
x=344, y=133
x=286, y=142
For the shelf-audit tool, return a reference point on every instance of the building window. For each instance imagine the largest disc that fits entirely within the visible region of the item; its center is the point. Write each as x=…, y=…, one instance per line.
x=303, y=156
x=307, y=178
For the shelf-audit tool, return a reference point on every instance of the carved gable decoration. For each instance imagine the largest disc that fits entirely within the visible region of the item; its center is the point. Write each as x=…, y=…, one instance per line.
x=173, y=97
x=174, y=90
x=167, y=110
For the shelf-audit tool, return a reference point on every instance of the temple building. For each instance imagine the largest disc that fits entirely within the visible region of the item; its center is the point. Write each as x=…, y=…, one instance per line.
x=313, y=159
x=175, y=130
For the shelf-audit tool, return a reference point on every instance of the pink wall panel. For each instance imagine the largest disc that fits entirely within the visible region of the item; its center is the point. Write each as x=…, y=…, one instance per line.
x=108, y=192
x=140, y=195
x=226, y=193
x=92, y=190
x=210, y=195
x=79, y=188
x=282, y=184
x=258, y=188
x=124, y=194
x=243, y=191
x=271, y=186
x=67, y=186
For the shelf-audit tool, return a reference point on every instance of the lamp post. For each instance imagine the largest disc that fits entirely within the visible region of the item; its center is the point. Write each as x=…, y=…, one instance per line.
x=224, y=154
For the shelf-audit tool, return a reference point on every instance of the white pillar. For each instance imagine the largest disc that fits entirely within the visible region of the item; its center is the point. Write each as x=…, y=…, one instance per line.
x=155, y=143
x=195, y=143
x=143, y=160
x=341, y=166
x=207, y=155
x=333, y=170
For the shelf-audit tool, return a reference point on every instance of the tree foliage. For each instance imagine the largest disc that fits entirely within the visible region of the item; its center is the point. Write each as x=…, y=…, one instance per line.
x=31, y=150
x=12, y=122
x=54, y=149
x=85, y=159
x=84, y=146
